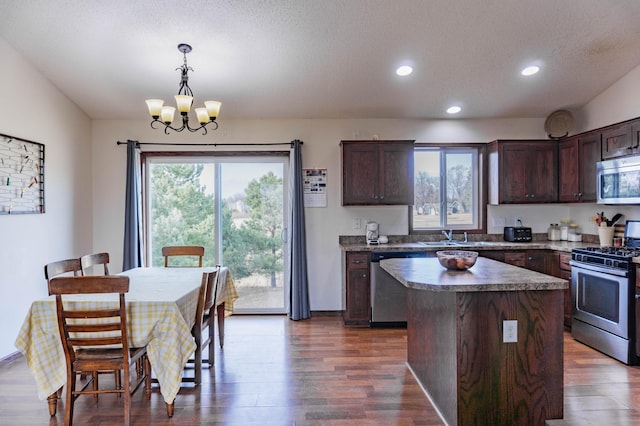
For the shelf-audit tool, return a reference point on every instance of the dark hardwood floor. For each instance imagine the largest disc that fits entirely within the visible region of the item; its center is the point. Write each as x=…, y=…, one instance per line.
x=274, y=371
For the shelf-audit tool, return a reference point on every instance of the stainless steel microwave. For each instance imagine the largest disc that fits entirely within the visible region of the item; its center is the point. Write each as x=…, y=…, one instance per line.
x=619, y=181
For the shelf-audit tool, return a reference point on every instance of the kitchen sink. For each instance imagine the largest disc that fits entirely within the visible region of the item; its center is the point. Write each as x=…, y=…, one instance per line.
x=458, y=243
x=438, y=243
x=474, y=243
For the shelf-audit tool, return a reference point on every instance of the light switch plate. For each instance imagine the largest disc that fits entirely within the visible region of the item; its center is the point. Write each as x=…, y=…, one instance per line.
x=510, y=331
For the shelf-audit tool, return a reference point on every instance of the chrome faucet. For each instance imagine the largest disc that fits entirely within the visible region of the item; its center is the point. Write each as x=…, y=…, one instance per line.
x=448, y=235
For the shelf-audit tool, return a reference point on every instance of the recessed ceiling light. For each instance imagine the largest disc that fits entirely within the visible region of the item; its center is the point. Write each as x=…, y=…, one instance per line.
x=533, y=69
x=404, y=70
x=454, y=109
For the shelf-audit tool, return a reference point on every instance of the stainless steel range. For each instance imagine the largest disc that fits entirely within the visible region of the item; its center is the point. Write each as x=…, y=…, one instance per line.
x=604, y=293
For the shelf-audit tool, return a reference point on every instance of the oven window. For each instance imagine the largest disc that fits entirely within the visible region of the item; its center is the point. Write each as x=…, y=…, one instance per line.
x=599, y=296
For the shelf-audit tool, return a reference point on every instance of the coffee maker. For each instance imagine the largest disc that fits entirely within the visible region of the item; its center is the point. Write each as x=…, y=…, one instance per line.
x=372, y=233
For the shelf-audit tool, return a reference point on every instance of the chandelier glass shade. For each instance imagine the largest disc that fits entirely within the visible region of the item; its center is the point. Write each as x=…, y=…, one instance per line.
x=184, y=100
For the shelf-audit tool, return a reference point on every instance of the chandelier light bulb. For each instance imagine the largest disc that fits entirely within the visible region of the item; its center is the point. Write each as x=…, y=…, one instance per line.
x=183, y=103
x=167, y=113
x=202, y=115
x=155, y=106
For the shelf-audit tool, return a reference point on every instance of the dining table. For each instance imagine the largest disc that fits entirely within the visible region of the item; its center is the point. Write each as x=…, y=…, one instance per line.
x=161, y=306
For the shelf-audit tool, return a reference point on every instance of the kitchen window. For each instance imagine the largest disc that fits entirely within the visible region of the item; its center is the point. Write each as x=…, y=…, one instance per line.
x=448, y=188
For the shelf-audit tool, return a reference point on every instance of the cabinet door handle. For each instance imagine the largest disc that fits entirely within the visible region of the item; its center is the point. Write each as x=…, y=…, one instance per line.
x=382, y=197
x=357, y=262
x=364, y=275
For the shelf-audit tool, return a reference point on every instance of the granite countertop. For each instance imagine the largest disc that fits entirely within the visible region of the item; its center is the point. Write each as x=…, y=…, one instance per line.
x=485, y=275
x=564, y=246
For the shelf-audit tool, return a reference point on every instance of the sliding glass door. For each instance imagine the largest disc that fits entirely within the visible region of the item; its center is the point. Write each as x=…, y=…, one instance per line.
x=233, y=206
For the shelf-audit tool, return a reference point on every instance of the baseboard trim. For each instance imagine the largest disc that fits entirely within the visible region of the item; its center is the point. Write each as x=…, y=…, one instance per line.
x=9, y=359
x=326, y=313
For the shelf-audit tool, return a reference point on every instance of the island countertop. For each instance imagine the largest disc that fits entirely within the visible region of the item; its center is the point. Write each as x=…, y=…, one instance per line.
x=485, y=275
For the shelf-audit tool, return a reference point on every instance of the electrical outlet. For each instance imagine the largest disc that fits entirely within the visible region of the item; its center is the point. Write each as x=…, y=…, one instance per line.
x=510, y=331
x=517, y=221
x=357, y=224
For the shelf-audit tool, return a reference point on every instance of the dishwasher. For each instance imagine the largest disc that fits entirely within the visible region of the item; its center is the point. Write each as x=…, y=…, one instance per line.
x=388, y=295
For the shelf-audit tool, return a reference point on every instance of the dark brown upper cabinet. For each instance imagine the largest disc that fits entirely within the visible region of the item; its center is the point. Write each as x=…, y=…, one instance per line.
x=577, y=158
x=377, y=173
x=523, y=172
x=621, y=140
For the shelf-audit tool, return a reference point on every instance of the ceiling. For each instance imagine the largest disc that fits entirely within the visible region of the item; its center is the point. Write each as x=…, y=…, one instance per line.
x=329, y=58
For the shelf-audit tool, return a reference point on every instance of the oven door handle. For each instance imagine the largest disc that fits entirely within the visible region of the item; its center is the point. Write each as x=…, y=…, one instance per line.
x=601, y=269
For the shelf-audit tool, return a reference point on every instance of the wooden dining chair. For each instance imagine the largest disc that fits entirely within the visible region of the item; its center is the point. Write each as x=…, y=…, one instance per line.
x=66, y=266
x=88, y=260
x=173, y=251
x=96, y=340
x=209, y=315
x=196, y=331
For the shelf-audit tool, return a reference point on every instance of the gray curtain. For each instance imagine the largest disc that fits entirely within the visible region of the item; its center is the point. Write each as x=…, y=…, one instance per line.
x=298, y=282
x=132, y=253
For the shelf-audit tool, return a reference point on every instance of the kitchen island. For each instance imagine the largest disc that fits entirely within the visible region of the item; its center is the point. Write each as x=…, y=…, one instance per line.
x=456, y=340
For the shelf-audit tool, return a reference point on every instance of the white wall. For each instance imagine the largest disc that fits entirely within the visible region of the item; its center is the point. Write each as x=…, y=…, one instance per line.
x=32, y=108
x=620, y=102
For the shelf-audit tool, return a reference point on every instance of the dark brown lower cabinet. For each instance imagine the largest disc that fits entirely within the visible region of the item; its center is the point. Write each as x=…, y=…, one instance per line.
x=358, y=284
x=564, y=272
x=536, y=260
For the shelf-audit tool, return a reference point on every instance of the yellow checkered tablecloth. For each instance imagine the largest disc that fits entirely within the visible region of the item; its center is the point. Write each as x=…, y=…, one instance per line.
x=161, y=306
x=226, y=291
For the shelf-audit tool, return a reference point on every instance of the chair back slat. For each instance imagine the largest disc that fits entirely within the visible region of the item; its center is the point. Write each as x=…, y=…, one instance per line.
x=172, y=251
x=93, y=313
x=89, y=284
x=88, y=260
x=61, y=267
x=93, y=342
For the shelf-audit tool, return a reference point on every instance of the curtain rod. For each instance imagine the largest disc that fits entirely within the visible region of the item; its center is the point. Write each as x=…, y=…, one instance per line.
x=209, y=144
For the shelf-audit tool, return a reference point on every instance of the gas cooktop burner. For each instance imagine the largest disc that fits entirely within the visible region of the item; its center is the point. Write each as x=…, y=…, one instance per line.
x=616, y=251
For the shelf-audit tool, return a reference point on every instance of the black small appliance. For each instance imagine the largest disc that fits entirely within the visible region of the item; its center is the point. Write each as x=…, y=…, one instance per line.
x=517, y=234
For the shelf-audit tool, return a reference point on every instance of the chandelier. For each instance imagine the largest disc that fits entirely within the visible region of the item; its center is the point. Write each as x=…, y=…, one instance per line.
x=184, y=99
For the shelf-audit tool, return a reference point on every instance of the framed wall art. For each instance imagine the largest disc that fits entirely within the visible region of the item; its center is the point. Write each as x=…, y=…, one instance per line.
x=21, y=176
